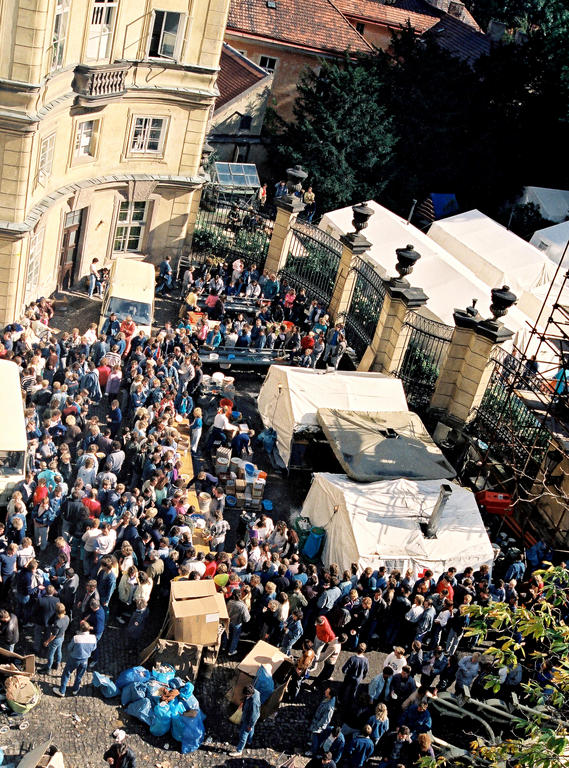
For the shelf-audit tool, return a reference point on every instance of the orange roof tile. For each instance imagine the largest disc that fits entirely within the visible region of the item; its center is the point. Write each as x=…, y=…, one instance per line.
x=421, y=16
x=317, y=25
x=236, y=75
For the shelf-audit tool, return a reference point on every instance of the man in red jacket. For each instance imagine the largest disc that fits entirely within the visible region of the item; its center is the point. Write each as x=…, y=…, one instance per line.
x=324, y=635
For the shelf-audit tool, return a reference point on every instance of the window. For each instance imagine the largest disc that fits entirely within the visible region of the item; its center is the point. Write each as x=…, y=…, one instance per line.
x=245, y=123
x=148, y=134
x=166, y=35
x=86, y=139
x=360, y=27
x=101, y=29
x=34, y=263
x=45, y=162
x=130, y=227
x=268, y=63
x=59, y=37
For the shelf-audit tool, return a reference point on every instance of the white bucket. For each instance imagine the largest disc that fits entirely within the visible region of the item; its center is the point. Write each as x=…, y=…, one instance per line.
x=204, y=502
x=217, y=378
x=228, y=382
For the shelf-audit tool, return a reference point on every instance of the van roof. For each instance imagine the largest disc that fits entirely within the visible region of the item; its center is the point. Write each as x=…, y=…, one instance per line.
x=13, y=431
x=131, y=279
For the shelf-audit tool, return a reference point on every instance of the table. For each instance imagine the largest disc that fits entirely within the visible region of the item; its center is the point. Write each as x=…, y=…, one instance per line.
x=236, y=304
x=244, y=357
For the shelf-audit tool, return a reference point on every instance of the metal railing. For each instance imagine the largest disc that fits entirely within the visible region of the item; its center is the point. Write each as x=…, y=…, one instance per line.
x=313, y=261
x=229, y=232
x=367, y=299
x=502, y=420
x=97, y=83
x=425, y=345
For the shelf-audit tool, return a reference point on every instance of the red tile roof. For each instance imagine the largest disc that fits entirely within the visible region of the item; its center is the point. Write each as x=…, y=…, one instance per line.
x=421, y=16
x=236, y=75
x=316, y=25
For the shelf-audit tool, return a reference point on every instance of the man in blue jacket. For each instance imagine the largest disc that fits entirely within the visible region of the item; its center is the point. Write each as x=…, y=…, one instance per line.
x=79, y=651
x=359, y=748
x=251, y=712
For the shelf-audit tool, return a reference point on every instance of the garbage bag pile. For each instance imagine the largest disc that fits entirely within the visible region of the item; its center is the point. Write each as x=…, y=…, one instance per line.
x=164, y=702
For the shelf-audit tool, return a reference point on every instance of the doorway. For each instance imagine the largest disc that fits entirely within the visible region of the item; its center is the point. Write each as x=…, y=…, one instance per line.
x=69, y=251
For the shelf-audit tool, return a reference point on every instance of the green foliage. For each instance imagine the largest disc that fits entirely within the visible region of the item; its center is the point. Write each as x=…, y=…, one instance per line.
x=213, y=237
x=526, y=219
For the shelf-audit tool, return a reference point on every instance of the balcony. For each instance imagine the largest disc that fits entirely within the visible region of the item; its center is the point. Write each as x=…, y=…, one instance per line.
x=99, y=84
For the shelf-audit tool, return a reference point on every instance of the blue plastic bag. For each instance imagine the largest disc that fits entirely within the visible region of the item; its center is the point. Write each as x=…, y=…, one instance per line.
x=161, y=720
x=133, y=675
x=176, y=682
x=190, y=731
x=186, y=691
x=142, y=710
x=133, y=692
x=164, y=677
x=264, y=684
x=152, y=690
x=105, y=685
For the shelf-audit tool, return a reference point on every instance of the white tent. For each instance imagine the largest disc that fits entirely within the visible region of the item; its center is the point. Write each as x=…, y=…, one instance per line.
x=448, y=282
x=379, y=524
x=552, y=241
x=553, y=204
x=496, y=255
x=290, y=397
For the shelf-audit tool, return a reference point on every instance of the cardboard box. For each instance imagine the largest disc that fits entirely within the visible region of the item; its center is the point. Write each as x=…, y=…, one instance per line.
x=26, y=664
x=240, y=485
x=275, y=663
x=196, y=610
x=223, y=454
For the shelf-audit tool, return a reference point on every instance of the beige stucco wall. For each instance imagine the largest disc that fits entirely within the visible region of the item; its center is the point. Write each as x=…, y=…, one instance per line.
x=36, y=102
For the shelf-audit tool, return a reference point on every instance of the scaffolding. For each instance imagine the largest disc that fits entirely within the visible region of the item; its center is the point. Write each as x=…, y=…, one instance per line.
x=520, y=431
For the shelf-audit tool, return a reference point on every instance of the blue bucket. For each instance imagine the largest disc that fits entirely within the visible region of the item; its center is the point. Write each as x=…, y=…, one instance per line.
x=267, y=505
x=249, y=470
x=231, y=501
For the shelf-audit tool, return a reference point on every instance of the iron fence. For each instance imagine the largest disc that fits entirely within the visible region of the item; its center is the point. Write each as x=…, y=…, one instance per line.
x=313, y=261
x=231, y=231
x=368, y=295
x=425, y=344
x=503, y=421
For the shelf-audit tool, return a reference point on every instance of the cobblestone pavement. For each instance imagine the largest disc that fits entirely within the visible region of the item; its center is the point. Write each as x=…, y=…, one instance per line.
x=81, y=727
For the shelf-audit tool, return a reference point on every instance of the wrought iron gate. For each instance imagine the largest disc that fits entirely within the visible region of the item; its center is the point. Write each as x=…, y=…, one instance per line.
x=367, y=300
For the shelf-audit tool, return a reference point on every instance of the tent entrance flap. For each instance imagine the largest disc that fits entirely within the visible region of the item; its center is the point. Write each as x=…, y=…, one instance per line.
x=374, y=446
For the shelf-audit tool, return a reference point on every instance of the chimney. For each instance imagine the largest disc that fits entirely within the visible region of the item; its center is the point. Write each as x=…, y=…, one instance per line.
x=435, y=520
x=456, y=9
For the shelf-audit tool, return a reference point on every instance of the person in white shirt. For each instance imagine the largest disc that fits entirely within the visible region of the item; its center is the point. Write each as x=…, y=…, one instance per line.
x=264, y=527
x=253, y=290
x=396, y=660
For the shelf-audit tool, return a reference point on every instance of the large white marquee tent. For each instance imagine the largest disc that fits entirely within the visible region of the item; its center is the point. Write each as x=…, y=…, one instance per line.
x=448, y=282
x=553, y=204
x=290, y=397
x=375, y=524
x=552, y=241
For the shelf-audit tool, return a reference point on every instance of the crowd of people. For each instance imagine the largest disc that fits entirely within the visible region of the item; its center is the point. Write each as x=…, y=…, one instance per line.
x=281, y=318
x=101, y=526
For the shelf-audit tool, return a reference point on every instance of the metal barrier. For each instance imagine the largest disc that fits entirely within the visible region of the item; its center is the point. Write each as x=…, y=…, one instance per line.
x=368, y=295
x=426, y=344
x=313, y=261
x=229, y=232
x=504, y=421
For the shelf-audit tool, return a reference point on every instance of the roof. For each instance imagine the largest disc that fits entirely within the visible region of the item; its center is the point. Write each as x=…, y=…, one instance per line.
x=383, y=446
x=553, y=203
x=552, y=241
x=236, y=74
x=13, y=424
x=317, y=25
x=460, y=39
x=420, y=15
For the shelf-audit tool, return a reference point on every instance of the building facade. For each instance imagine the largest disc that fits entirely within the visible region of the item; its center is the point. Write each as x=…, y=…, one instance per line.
x=104, y=105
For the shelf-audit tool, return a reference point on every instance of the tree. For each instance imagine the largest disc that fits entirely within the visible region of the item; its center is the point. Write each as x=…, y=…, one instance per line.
x=341, y=134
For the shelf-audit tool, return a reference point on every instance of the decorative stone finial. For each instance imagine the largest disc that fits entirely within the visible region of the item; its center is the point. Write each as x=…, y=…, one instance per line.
x=502, y=300
x=406, y=260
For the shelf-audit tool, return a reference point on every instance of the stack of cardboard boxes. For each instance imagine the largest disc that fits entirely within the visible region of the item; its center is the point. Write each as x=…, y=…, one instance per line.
x=248, y=491
x=222, y=460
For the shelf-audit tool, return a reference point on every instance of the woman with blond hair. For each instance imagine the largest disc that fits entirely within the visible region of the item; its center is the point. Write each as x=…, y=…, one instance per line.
x=196, y=427
x=379, y=723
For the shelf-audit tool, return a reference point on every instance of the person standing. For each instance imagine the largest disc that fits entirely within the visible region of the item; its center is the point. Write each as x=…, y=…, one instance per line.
x=94, y=278
x=79, y=651
x=251, y=711
x=56, y=635
x=120, y=756
x=9, y=630
x=359, y=748
x=321, y=720
x=238, y=615
x=355, y=670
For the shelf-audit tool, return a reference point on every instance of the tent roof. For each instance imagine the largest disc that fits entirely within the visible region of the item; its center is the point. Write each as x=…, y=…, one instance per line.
x=380, y=446
x=448, y=283
x=291, y=396
x=553, y=203
x=552, y=241
x=495, y=254
x=379, y=523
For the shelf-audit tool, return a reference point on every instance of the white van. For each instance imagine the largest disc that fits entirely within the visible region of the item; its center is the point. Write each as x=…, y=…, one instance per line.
x=13, y=441
x=130, y=291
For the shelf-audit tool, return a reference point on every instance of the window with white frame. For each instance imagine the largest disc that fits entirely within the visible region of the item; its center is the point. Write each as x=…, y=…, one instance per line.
x=148, y=135
x=103, y=17
x=166, y=35
x=59, y=37
x=131, y=224
x=268, y=62
x=34, y=264
x=45, y=162
x=86, y=139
